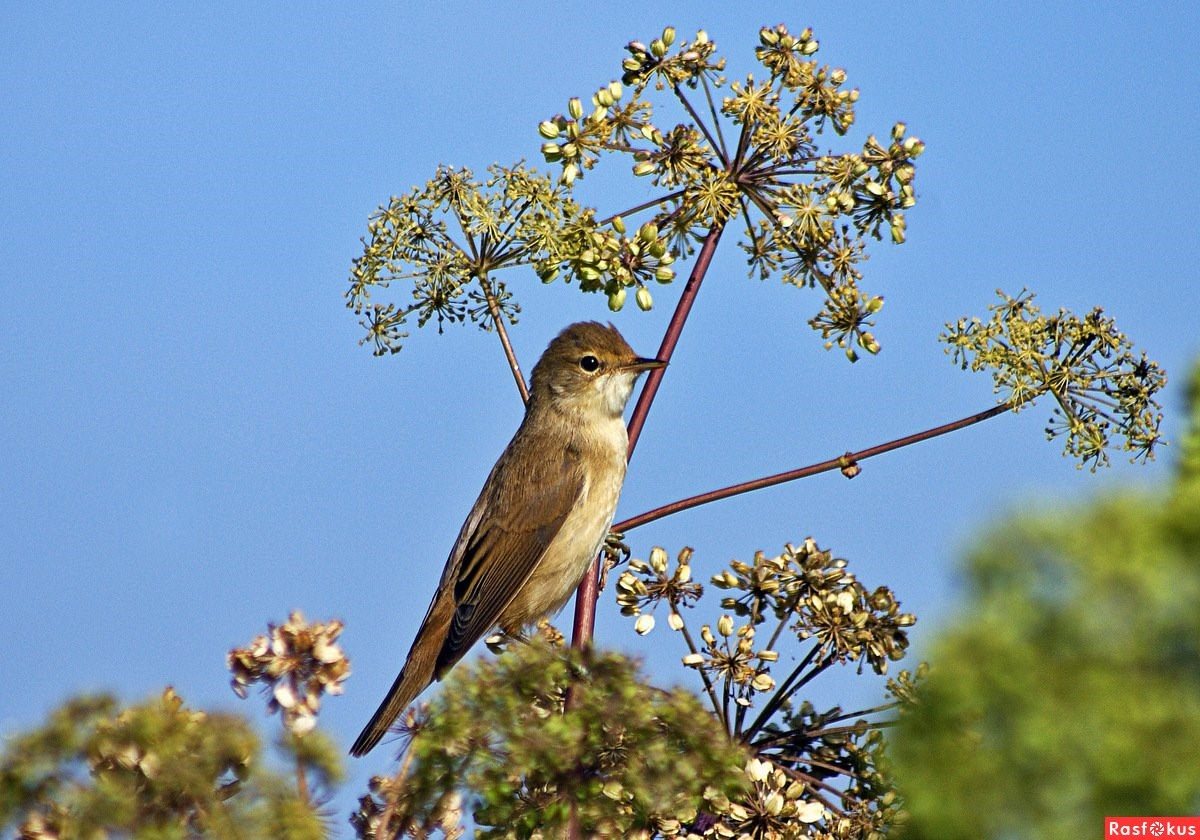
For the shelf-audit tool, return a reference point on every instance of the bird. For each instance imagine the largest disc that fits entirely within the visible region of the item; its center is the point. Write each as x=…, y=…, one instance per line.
x=541, y=517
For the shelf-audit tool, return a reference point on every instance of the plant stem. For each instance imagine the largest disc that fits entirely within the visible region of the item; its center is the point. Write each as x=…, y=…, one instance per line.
x=589, y=589
x=302, y=782
x=645, y=205
x=708, y=686
x=840, y=462
x=513, y=364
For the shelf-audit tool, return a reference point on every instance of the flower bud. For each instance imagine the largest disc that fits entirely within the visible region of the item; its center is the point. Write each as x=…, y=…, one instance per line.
x=644, y=624
x=758, y=770
x=898, y=130
x=706, y=634
x=644, y=301
x=284, y=695
x=838, y=76
x=658, y=559
x=701, y=37
x=683, y=573
x=725, y=625
x=810, y=47
x=575, y=107
x=675, y=621
x=875, y=304
x=615, y=90
x=645, y=167
x=616, y=300
x=548, y=129
x=810, y=812
x=618, y=224
x=763, y=682
x=693, y=660
x=569, y=174
x=663, y=274
x=668, y=36
x=603, y=98
x=768, y=655
x=657, y=48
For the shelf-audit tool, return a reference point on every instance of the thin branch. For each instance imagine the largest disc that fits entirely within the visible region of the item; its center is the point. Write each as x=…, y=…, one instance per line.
x=777, y=699
x=712, y=109
x=708, y=686
x=712, y=142
x=390, y=807
x=841, y=462
x=654, y=202
x=589, y=589
x=513, y=364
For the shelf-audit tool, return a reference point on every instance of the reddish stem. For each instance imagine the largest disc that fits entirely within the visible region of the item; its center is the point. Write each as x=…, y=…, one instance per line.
x=589, y=589
x=803, y=472
x=498, y=320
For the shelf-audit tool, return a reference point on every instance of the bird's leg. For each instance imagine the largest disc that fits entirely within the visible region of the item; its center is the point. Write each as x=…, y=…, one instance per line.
x=501, y=639
x=614, y=552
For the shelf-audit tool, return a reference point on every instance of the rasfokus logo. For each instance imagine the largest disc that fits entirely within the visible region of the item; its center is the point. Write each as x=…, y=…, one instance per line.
x=1151, y=827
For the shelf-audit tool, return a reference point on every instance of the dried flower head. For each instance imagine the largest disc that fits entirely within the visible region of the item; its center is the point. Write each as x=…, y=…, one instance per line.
x=296, y=663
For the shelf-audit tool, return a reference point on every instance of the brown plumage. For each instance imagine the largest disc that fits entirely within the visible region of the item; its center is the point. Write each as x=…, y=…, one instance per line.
x=542, y=515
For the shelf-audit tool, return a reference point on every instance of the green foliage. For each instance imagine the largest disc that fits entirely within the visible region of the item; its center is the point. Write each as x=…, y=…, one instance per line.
x=1086, y=364
x=502, y=733
x=1070, y=688
x=153, y=770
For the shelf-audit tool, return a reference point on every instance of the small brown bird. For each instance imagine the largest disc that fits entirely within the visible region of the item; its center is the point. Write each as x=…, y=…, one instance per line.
x=541, y=517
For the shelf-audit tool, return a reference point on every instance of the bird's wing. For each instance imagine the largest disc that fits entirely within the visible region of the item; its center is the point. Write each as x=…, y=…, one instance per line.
x=524, y=514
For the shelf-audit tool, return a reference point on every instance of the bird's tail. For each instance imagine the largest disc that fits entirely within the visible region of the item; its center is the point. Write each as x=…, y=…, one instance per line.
x=410, y=682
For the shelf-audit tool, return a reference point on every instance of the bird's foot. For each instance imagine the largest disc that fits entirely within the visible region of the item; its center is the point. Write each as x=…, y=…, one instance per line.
x=499, y=641
x=613, y=552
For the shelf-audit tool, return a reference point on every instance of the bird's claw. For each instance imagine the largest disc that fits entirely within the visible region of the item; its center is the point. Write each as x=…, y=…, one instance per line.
x=613, y=552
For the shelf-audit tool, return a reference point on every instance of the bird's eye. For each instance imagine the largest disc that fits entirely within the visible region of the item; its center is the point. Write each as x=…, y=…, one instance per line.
x=590, y=364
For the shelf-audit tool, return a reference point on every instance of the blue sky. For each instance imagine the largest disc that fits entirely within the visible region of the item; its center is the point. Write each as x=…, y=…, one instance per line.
x=192, y=443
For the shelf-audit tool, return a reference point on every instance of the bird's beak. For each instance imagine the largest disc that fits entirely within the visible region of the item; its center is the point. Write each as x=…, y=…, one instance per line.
x=638, y=365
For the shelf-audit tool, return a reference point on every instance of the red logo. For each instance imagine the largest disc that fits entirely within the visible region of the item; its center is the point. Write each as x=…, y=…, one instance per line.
x=1115, y=827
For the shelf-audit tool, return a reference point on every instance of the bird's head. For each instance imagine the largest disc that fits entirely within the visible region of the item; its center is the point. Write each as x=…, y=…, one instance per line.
x=589, y=367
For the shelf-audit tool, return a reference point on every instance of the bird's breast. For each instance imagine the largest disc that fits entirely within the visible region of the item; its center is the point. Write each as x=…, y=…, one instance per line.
x=569, y=554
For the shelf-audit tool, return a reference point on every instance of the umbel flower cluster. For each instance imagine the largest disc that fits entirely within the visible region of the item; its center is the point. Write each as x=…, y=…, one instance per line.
x=713, y=150
x=803, y=596
x=296, y=662
x=502, y=741
x=1100, y=387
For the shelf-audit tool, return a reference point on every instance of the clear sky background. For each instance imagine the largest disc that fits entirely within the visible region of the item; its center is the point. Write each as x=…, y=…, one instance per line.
x=192, y=443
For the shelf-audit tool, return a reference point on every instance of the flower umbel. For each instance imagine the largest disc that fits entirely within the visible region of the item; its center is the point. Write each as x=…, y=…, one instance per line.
x=296, y=663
